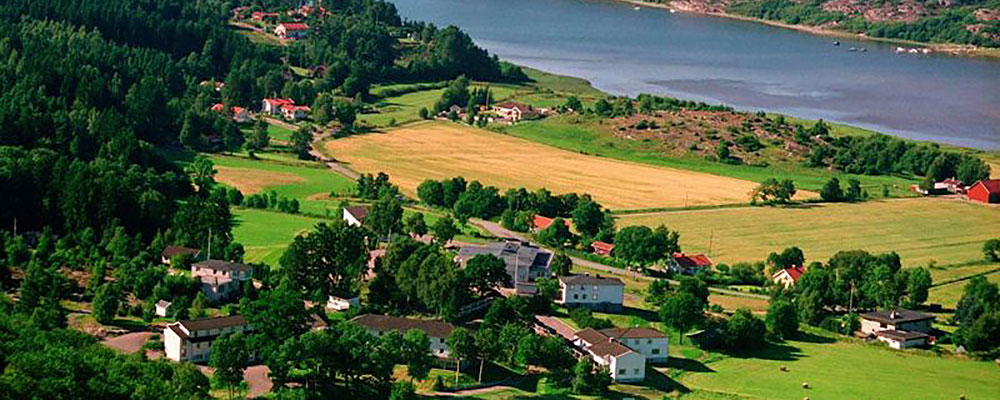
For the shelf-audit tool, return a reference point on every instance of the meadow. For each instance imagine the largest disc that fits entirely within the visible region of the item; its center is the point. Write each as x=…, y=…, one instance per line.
x=948, y=294
x=266, y=234
x=440, y=150
x=948, y=232
x=589, y=136
x=405, y=108
x=309, y=183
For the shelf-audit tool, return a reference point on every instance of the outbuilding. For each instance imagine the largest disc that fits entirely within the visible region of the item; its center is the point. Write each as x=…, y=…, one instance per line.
x=985, y=191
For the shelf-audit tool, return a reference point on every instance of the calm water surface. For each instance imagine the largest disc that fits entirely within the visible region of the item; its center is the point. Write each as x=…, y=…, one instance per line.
x=748, y=65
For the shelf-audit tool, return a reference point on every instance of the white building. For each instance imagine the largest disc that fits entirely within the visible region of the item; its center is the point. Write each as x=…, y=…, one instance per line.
x=622, y=363
x=525, y=263
x=594, y=292
x=273, y=105
x=340, y=304
x=291, y=30
x=898, y=328
x=221, y=280
x=649, y=342
x=355, y=215
x=787, y=277
x=162, y=308
x=437, y=331
x=192, y=340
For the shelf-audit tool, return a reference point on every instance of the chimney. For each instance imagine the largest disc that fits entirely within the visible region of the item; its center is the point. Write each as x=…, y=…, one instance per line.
x=893, y=314
x=598, y=276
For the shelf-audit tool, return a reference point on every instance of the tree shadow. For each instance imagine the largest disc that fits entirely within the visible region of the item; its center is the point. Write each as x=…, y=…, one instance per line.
x=687, y=364
x=647, y=315
x=770, y=351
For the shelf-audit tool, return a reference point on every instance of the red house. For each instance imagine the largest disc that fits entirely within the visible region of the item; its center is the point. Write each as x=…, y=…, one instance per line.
x=541, y=222
x=689, y=264
x=601, y=248
x=985, y=191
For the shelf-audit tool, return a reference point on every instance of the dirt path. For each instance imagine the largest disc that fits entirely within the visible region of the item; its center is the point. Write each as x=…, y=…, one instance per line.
x=256, y=377
x=129, y=342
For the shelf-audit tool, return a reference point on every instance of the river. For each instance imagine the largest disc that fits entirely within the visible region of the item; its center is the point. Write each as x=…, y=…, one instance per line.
x=750, y=66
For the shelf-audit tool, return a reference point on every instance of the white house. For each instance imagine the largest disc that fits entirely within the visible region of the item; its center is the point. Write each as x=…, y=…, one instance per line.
x=899, y=328
x=594, y=292
x=788, y=276
x=162, y=308
x=437, y=331
x=513, y=111
x=221, y=280
x=525, y=263
x=273, y=105
x=340, y=304
x=689, y=264
x=355, y=215
x=649, y=342
x=192, y=340
x=623, y=363
x=294, y=113
x=291, y=30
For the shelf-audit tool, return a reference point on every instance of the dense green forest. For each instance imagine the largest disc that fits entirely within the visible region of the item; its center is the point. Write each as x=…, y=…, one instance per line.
x=93, y=92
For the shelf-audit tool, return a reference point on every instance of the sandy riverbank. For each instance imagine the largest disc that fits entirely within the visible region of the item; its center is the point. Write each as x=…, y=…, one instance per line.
x=695, y=8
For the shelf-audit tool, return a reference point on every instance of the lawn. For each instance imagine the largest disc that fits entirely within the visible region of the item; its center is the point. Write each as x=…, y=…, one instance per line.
x=588, y=136
x=309, y=183
x=921, y=230
x=947, y=295
x=266, y=234
x=441, y=150
x=842, y=370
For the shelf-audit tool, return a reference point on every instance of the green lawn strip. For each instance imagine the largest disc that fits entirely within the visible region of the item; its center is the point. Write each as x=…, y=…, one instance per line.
x=319, y=181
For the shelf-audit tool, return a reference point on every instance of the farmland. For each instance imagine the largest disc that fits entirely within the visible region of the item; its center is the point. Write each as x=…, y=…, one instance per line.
x=921, y=230
x=309, y=183
x=444, y=150
x=405, y=108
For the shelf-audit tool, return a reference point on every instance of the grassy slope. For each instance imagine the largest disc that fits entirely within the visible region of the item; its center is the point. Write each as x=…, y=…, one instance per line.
x=920, y=230
x=317, y=181
x=266, y=234
x=406, y=108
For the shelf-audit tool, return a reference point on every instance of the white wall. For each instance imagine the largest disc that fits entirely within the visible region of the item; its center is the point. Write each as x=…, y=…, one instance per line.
x=591, y=294
x=654, y=349
x=629, y=367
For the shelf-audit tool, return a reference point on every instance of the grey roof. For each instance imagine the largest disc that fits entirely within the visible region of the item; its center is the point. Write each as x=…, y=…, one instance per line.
x=515, y=253
x=359, y=212
x=163, y=303
x=633, y=333
x=901, y=335
x=591, y=335
x=590, y=280
x=896, y=316
x=220, y=265
x=213, y=323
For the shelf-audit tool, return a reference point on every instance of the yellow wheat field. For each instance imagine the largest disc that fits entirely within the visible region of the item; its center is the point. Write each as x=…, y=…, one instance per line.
x=440, y=150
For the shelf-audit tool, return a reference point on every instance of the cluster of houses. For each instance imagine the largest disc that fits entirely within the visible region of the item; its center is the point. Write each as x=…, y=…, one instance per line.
x=284, y=107
x=285, y=30
x=984, y=191
x=508, y=112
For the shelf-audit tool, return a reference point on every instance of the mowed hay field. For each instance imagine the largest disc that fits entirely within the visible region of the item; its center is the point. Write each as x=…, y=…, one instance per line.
x=266, y=234
x=921, y=230
x=441, y=150
x=310, y=183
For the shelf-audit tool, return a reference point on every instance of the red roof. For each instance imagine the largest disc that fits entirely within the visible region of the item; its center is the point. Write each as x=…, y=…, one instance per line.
x=294, y=26
x=601, y=246
x=992, y=185
x=217, y=107
x=696, y=260
x=237, y=110
x=292, y=107
x=279, y=102
x=795, y=272
x=542, y=222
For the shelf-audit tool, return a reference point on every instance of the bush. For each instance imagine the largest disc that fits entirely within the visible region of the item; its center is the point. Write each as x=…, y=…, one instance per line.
x=584, y=318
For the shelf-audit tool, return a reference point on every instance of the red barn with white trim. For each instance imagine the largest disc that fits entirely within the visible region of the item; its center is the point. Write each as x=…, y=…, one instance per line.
x=985, y=191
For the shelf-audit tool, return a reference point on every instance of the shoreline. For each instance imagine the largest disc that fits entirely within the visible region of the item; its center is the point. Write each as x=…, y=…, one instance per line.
x=942, y=48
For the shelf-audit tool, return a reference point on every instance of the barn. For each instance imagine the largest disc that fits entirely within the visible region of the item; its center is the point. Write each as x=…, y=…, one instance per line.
x=985, y=191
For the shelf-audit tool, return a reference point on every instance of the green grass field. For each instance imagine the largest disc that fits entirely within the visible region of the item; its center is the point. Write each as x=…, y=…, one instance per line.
x=948, y=294
x=584, y=135
x=405, y=108
x=266, y=234
x=921, y=230
x=309, y=183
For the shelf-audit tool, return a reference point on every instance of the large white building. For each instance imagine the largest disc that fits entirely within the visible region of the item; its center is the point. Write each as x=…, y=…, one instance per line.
x=192, y=340
x=221, y=280
x=594, y=292
x=623, y=363
x=525, y=262
x=437, y=331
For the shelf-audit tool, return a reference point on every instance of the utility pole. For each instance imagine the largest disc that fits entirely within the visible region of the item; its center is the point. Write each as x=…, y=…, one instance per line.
x=209, y=243
x=15, y=226
x=711, y=236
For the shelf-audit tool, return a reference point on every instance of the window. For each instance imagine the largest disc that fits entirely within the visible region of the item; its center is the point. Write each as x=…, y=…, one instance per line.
x=656, y=351
x=649, y=341
x=575, y=296
x=622, y=371
x=636, y=371
x=595, y=288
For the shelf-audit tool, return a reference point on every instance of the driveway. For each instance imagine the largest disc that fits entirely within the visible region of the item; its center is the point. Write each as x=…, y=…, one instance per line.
x=129, y=342
x=256, y=377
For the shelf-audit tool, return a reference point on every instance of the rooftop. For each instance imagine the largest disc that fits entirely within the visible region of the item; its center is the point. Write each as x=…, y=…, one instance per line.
x=219, y=265
x=991, y=185
x=608, y=348
x=590, y=335
x=794, y=272
x=382, y=323
x=205, y=324
x=590, y=280
x=896, y=316
x=901, y=335
x=358, y=212
x=633, y=333
x=171, y=251
x=693, y=260
x=515, y=254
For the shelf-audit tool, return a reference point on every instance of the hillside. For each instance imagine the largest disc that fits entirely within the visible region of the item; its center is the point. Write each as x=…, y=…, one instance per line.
x=968, y=22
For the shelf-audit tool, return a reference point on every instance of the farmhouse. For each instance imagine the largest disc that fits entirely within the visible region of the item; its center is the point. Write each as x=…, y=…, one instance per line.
x=624, y=363
x=985, y=191
x=513, y=111
x=170, y=252
x=437, y=331
x=162, y=308
x=355, y=215
x=240, y=114
x=273, y=105
x=525, y=263
x=340, y=303
x=899, y=328
x=191, y=340
x=540, y=222
x=221, y=280
x=594, y=292
x=602, y=249
x=291, y=30
x=788, y=276
x=294, y=113
x=686, y=264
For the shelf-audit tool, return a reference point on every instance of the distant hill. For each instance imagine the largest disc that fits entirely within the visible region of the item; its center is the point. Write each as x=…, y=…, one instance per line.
x=968, y=22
